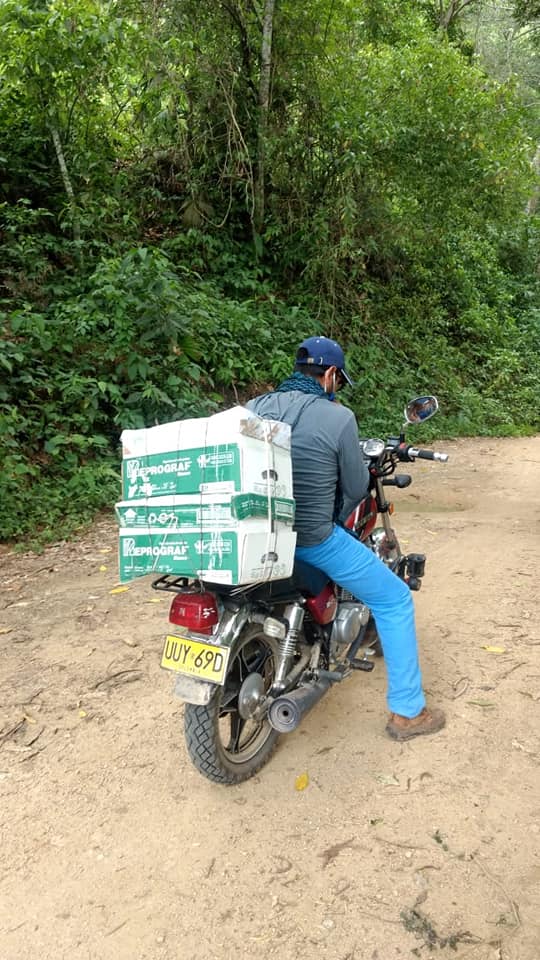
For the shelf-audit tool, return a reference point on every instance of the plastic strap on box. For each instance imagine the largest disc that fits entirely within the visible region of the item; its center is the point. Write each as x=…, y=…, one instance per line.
x=270, y=538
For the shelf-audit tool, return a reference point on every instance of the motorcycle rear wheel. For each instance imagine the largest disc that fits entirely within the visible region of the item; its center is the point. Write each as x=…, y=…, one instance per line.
x=222, y=746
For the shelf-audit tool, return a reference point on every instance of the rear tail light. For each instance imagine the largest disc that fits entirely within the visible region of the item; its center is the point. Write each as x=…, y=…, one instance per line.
x=196, y=611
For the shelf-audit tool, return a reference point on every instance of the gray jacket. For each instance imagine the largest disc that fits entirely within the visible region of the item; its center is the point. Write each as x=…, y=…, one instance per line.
x=328, y=465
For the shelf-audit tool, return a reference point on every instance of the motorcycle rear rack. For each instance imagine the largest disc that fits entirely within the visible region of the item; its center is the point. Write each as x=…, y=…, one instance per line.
x=170, y=584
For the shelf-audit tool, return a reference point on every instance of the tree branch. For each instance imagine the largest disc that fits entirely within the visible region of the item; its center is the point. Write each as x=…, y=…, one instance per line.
x=264, y=105
x=452, y=12
x=236, y=18
x=68, y=186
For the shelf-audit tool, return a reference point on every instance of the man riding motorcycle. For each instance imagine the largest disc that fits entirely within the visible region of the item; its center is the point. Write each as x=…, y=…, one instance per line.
x=329, y=473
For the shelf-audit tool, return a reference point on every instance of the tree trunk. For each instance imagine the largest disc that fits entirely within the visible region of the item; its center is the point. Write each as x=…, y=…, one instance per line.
x=264, y=105
x=452, y=12
x=68, y=186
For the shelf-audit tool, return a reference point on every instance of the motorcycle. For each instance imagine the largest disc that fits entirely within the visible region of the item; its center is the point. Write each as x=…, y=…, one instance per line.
x=251, y=661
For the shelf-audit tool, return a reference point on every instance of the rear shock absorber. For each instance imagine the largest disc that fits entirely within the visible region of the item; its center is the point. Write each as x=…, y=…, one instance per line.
x=294, y=614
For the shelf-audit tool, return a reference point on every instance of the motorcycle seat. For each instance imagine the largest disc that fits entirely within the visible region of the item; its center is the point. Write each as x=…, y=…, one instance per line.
x=306, y=579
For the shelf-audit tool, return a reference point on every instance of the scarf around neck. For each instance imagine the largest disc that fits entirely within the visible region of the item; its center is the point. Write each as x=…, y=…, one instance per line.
x=298, y=381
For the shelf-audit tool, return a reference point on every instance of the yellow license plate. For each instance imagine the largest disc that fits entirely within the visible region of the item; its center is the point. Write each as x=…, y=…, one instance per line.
x=195, y=659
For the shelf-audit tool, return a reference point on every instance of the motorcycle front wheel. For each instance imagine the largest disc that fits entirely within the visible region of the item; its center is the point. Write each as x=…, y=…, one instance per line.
x=222, y=745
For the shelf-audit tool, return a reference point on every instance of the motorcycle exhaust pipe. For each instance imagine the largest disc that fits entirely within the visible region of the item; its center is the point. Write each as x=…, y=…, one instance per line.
x=286, y=712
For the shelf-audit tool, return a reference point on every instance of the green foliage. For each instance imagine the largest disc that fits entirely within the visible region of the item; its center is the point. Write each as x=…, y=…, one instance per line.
x=134, y=288
x=117, y=354
x=143, y=342
x=419, y=143
x=526, y=11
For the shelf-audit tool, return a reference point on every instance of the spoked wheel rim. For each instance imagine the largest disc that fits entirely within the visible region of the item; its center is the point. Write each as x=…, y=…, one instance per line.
x=240, y=739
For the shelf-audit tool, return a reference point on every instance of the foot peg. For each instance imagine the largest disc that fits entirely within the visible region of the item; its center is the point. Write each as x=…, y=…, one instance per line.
x=416, y=563
x=364, y=664
x=341, y=672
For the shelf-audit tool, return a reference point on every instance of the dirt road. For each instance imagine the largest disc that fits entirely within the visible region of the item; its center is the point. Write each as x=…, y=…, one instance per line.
x=112, y=846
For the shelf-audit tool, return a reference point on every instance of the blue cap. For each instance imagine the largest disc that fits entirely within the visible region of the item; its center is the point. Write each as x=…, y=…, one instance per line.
x=322, y=352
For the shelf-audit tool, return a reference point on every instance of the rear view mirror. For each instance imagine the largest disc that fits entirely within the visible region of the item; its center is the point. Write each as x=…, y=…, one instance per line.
x=420, y=409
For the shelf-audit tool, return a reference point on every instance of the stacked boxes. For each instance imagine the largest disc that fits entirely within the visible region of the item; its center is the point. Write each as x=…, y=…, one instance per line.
x=208, y=498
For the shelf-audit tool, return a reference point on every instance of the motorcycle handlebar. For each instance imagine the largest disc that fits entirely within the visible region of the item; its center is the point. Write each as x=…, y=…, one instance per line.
x=427, y=454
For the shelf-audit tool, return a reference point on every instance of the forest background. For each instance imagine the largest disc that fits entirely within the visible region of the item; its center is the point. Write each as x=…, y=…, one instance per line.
x=188, y=189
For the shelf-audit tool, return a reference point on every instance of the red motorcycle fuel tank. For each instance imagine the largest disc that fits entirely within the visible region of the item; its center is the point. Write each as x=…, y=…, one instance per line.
x=323, y=608
x=363, y=518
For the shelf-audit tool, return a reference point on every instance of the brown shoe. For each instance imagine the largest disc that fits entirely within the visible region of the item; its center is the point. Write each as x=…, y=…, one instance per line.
x=404, y=728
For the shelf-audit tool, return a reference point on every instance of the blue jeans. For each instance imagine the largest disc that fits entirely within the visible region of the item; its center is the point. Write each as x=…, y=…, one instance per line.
x=350, y=564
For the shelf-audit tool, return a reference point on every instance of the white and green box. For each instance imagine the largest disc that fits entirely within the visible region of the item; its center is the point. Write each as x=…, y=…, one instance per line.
x=224, y=556
x=229, y=452
x=248, y=465
x=206, y=512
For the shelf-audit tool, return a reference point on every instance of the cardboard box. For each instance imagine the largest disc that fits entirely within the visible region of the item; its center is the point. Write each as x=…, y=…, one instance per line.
x=224, y=556
x=230, y=452
x=248, y=465
x=204, y=511
x=202, y=431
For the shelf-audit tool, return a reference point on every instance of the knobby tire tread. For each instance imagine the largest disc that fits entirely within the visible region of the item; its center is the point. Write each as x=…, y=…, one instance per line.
x=201, y=743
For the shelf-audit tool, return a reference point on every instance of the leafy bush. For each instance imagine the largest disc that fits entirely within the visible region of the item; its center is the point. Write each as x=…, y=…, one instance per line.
x=117, y=355
x=143, y=343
